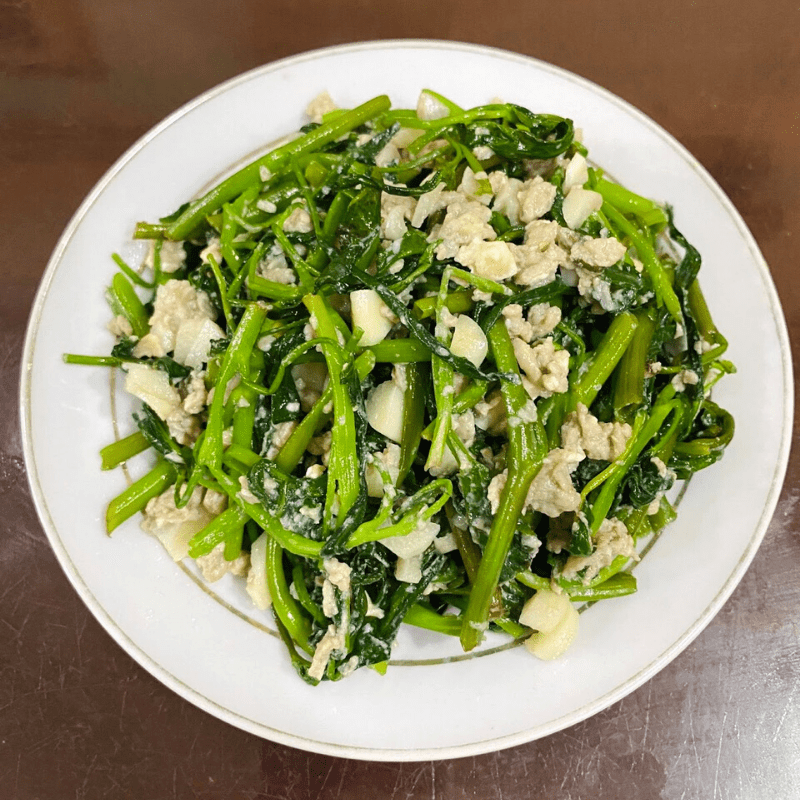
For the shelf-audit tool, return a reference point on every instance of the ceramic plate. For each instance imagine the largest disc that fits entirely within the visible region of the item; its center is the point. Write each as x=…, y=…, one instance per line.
x=204, y=642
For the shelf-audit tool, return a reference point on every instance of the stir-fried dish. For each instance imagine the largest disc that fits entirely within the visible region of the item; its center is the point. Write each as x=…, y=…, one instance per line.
x=426, y=366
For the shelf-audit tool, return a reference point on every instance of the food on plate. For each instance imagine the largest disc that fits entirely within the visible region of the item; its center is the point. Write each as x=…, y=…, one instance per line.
x=427, y=366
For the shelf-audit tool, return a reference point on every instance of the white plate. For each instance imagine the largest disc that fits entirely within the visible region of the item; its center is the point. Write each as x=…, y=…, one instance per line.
x=209, y=646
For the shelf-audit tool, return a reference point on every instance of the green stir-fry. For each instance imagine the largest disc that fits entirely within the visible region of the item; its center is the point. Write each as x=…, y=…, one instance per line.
x=423, y=366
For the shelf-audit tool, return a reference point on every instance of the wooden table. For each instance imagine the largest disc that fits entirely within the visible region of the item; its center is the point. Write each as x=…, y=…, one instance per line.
x=81, y=81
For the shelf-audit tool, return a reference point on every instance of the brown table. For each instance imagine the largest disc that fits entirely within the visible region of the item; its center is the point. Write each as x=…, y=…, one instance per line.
x=81, y=81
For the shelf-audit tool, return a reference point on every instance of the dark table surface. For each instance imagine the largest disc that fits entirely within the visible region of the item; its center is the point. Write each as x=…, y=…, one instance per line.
x=81, y=81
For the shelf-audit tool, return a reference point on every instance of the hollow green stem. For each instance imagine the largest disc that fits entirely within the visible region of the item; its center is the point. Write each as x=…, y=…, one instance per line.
x=224, y=527
x=665, y=294
x=92, y=361
x=285, y=606
x=223, y=292
x=125, y=301
x=423, y=616
x=292, y=451
x=413, y=419
x=400, y=351
x=185, y=225
x=139, y=493
x=116, y=453
x=527, y=447
x=236, y=359
x=648, y=430
x=131, y=274
x=628, y=202
x=705, y=324
x=630, y=373
x=344, y=473
x=303, y=597
x=602, y=362
x=456, y=303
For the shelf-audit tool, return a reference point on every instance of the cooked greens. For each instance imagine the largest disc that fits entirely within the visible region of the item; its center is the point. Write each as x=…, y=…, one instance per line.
x=416, y=365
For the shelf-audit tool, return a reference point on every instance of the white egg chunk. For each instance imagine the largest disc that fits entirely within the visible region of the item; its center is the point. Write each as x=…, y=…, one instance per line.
x=193, y=341
x=414, y=543
x=385, y=410
x=370, y=314
x=176, y=302
x=214, y=566
x=409, y=570
x=492, y=260
x=257, y=586
x=544, y=611
x=409, y=550
x=549, y=646
x=174, y=527
x=469, y=341
x=576, y=173
x=579, y=205
x=152, y=386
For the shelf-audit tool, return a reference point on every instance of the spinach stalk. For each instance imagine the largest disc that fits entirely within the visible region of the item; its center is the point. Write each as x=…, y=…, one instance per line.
x=527, y=447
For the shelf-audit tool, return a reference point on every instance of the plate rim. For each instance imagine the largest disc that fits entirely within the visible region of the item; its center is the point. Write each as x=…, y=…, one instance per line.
x=255, y=727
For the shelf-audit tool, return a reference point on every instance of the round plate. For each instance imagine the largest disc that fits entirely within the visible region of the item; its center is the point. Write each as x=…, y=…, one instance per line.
x=206, y=643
